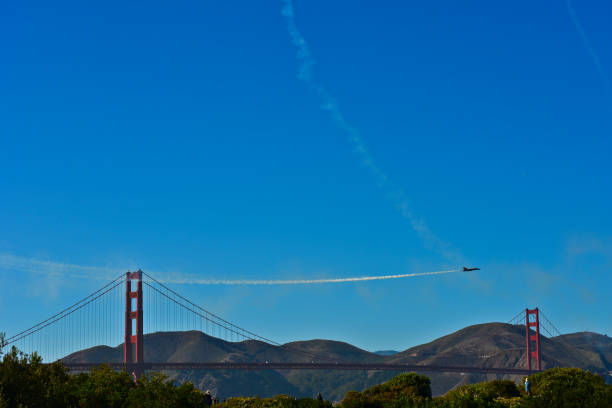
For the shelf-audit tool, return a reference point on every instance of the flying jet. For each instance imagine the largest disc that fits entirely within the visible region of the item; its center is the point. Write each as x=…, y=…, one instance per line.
x=470, y=269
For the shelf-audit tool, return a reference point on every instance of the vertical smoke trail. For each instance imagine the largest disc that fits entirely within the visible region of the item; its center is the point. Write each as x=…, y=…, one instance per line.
x=395, y=194
x=587, y=44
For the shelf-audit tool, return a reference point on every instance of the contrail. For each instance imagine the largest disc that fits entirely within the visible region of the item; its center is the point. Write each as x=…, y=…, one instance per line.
x=328, y=103
x=587, y=44
x=301, y=281
x=59, y=269
x=50, y=268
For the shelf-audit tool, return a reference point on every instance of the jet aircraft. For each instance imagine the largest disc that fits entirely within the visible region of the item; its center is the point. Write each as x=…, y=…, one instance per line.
x=470, y=269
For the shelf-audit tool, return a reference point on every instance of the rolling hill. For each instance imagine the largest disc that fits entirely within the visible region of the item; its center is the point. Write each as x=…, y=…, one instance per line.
x=483, y=345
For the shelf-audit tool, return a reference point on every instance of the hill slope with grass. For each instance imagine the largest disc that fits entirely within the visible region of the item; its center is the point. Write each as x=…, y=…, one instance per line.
x=482, y=345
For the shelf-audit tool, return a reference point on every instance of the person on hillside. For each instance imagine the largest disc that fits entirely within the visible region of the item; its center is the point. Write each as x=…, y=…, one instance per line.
x=208, y=398
x=527, y=386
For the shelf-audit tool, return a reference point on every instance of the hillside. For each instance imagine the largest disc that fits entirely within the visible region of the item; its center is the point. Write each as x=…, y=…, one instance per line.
x=486, y=345
x=597, y=347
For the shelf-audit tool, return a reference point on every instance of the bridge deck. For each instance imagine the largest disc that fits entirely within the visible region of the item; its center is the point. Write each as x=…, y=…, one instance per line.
x=305, y=366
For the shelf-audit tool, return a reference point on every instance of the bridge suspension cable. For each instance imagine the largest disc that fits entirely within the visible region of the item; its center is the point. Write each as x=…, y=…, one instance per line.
x=99, y=319
x=66, y=312
x=518, y=319
x=92, y=321
x=549, y=326
x=219, y=321
x=555, y=333
x=256, y=336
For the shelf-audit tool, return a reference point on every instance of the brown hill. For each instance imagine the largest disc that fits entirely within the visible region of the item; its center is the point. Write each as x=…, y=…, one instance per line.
x=491, y=345
x=596, y=347
x=483, y=345
x=495, y=345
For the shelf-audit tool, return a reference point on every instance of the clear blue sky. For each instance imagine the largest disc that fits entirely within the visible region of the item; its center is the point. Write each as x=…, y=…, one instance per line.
x=176, y=137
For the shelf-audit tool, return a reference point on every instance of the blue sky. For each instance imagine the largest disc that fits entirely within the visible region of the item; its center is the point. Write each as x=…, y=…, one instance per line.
x=178, y=138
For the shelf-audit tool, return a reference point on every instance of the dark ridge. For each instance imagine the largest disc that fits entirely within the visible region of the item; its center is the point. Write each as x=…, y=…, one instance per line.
x=481, y=345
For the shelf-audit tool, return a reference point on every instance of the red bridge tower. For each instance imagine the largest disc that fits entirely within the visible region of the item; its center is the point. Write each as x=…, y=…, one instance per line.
x=133, y=345
x=533, y=339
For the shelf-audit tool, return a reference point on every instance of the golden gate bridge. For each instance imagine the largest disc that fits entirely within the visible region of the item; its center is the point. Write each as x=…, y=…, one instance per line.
x=116, y=312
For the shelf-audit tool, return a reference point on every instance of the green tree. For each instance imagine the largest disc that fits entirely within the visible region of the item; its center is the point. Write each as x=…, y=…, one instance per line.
x=152, y=392
x=568, y=387
x=156, y=390
x=103, y=388
x=409, y=389
x=25, y=380
x=20, y=379
x=279, y=401
x=496, y=393
x=186, y=395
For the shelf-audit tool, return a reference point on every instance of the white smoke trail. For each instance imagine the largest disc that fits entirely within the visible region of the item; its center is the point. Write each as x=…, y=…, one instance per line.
x=59, y=269
x=195, y=281
x=329, y=104
x=587, y=44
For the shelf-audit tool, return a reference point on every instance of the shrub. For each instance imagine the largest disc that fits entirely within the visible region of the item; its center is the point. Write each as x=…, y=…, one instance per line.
x=401, y=391
x=569, y=387
x=279, y=401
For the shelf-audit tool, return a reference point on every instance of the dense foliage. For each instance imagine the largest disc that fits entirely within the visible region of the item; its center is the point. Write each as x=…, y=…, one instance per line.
x=404, y=390
x=555, y=388
x=569, y=387
x=26, y=382
x=280, y=401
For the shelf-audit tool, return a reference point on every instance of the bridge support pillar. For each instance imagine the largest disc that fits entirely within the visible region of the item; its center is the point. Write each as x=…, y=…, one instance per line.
x=133, y=349
x=533, y=340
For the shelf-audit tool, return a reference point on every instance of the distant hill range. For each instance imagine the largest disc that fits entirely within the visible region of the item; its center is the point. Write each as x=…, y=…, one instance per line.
x=482, y=345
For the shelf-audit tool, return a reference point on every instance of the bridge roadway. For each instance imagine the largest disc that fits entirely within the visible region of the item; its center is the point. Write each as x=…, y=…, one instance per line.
x=305, y=366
